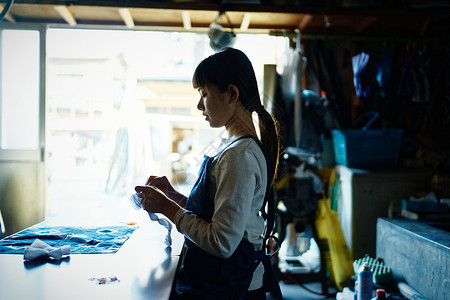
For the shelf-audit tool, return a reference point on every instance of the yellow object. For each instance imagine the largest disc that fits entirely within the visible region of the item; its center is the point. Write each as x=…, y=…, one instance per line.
x=337, y=255
x=281, y=183
x=325, y=175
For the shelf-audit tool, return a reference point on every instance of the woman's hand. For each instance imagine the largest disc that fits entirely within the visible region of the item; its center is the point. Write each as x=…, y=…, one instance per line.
x=156, y=201
x=163, y=184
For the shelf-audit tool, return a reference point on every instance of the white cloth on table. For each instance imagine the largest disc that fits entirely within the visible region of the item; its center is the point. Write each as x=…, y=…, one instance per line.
x=41, y=249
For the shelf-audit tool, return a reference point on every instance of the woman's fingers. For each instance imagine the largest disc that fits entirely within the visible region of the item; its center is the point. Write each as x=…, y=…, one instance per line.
x=150, y=179
x=159, y=181
x=153, y=199
x=140, y=189
x=147, y=191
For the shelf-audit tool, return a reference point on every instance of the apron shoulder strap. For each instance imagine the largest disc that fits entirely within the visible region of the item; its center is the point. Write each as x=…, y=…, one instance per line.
x=268, y=208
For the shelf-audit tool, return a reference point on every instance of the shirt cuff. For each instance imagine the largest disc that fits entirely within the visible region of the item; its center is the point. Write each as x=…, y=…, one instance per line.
x=178, y=215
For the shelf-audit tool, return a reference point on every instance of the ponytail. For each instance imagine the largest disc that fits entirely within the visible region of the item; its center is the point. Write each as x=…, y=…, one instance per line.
x=269, y=137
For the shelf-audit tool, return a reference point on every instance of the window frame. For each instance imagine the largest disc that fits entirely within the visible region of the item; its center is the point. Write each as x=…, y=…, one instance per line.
x=37, y=154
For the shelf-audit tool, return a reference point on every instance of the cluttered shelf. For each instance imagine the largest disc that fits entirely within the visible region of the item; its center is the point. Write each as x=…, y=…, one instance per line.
x=345, y=206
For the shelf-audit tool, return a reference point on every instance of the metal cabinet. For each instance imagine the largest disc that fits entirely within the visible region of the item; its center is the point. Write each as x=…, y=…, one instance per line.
x=364, y=196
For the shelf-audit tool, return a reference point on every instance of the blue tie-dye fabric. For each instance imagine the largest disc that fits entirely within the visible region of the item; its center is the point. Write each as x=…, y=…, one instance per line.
x=82, y=240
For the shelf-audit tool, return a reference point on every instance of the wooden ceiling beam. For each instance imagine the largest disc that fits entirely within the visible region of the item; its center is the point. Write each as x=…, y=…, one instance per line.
x=65, y=13
x=327, y=9
x=305, y=21
x=246, y=21
x=8, y=17
x=424, y=26
x=250, y=17
x=126, y=17
x=365, y=23
x=186, y=16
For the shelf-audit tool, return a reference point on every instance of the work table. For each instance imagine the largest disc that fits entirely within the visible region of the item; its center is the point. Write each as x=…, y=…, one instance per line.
x=143, y=267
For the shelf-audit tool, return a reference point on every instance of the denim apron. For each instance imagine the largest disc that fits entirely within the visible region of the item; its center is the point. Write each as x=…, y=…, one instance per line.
x=206, y=276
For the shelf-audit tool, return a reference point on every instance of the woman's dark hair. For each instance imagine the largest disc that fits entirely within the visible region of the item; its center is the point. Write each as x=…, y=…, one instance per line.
x=232, y=66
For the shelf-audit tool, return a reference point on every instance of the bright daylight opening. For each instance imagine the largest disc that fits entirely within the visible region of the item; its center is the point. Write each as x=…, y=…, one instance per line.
x=121, y=107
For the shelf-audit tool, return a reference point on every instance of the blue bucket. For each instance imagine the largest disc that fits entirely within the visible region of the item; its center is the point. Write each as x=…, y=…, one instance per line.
x=367, y=148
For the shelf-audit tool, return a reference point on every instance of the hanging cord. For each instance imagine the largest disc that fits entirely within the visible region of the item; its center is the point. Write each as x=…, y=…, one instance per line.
x=223, y=13
x=6, y=9
x=298, y=39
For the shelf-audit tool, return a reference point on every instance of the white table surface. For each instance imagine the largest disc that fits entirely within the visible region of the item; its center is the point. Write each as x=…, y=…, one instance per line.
x=144, y=266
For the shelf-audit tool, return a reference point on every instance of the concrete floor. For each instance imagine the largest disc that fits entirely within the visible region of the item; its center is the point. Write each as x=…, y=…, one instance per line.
x=295, y=292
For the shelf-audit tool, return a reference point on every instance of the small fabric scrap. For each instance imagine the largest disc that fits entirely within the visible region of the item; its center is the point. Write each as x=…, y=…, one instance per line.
x=105, y=280
x=40, y=249
x=137, y=204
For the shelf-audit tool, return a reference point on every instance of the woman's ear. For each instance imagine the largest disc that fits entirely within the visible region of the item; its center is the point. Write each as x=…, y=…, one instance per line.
x=234, y=92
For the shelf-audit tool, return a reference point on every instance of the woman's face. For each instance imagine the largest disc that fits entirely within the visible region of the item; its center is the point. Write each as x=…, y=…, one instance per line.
x=215, y=105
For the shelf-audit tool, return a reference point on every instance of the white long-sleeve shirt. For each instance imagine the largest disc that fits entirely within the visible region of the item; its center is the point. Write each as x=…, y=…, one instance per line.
x=238, y=185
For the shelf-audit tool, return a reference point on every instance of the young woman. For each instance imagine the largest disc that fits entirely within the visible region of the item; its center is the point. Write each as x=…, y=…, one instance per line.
x=221, y=218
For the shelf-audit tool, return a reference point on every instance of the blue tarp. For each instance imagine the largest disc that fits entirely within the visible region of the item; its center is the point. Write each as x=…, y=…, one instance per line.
x=82, y=240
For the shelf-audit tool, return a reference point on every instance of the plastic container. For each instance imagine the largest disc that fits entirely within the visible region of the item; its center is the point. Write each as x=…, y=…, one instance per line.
x=381, y=295
x=382, y=274
x=366, y=148
x=364, y=286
